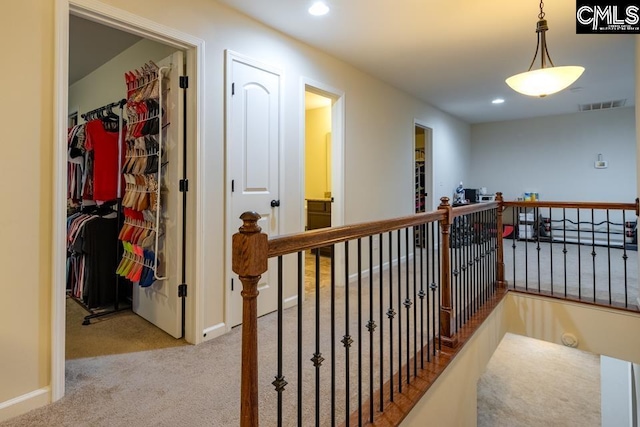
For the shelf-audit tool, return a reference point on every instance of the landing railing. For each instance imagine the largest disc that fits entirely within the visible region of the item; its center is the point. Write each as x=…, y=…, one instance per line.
x=362, y=348
x=354, y=347
x=581, y=251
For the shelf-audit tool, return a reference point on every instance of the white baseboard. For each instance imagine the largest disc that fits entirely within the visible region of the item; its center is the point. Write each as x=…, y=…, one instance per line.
x=25, y=403
x=214, y=331
x=290, y=302
x=385, y=267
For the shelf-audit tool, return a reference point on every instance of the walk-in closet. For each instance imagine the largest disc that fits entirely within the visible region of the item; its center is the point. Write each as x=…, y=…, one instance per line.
x=125, y=208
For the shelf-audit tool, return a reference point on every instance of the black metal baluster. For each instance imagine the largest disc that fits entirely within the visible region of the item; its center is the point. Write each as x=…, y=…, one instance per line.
x=381, y=314
x=516, y=229
x=421, y=293
x=427, y=283
x=624, y=258
x=279, y=383
x=359, y=332
x=483, y=255
x=550, y=236
x=476, y=264
x=333, y=335
x=299, y=308
x=439, y=288
x=483, y=284
x=371, y=327
x=609, y=251
x=593, y=252
x=407, y=303
x=477, y=218
x=391, y=314
x=466, y=284
x=317, y=358
x=472, y=286
x=564, y=247
x=399, y=242
x=346, y=338
x=415, y=308
x=536, y=219
x=526, y=251
x=579, y=260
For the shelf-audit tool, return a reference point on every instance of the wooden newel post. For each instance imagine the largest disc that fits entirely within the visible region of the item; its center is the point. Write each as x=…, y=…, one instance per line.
x=249, y=262
x=446, y=309
x=500, y=282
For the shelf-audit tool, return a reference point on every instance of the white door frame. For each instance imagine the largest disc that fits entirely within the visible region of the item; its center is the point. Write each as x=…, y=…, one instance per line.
x=120, y=19
x=428, y=153
x=337, y=160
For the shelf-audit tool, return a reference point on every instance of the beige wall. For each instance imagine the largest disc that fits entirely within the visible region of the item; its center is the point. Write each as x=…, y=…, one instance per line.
x=453, y=399
x=612, y=333
x=379, y=136
x=26, y=84
x=317, y=152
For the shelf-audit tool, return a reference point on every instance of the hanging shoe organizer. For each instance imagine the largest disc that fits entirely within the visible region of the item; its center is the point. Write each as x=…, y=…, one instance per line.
x=143, y=229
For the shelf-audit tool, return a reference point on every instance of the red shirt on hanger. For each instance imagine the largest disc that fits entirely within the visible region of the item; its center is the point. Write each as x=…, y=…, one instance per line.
x=105, y=160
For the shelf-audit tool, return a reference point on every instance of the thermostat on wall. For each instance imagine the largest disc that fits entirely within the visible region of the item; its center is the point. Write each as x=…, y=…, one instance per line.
x=600, y=163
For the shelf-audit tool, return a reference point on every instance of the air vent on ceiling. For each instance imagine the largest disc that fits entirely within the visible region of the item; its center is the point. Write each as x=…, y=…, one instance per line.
x=603, y=105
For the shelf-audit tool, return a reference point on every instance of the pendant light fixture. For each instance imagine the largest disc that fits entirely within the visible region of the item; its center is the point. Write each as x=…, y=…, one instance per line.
x=548, y=78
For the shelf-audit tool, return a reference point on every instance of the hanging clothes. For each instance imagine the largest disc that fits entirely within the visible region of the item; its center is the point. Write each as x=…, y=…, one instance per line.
x=92, y=248
x=104, y=145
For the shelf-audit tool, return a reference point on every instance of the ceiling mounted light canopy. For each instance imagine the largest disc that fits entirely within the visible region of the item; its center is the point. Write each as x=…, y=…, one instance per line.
x=548, y=79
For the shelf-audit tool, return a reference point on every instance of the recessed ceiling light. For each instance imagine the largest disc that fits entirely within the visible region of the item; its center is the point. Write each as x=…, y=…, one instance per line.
x=498, y=101
x=319, y=8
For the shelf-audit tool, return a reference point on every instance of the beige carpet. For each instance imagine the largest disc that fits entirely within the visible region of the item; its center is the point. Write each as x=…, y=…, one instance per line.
x=123, y=332
x=199, y=385
x=536, y=383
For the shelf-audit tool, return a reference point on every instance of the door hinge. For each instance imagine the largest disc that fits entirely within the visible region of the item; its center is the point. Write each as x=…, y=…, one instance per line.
x=184, y=185
x=233, y=89
x=184, y=82
x=233, y=185
x=231, y=284
x=182, y=290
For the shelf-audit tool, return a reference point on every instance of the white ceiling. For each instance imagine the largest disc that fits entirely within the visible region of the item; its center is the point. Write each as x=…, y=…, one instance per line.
x=456, y=54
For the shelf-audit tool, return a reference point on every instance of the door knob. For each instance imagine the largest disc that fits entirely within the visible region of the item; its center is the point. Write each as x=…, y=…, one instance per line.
x=275, y=203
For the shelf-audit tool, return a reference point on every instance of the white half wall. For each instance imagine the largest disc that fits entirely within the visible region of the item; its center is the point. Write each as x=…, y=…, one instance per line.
x=555, y=156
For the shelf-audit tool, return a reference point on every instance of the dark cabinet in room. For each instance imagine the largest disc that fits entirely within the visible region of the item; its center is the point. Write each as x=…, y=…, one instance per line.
x=319, y=216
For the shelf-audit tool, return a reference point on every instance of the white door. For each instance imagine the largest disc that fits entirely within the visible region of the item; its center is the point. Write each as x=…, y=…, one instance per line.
x=253, y=150
x=159, y=303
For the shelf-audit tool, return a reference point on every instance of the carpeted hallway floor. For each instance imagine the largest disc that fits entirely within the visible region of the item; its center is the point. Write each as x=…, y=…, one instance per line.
x=199, y=385
x=527, y=383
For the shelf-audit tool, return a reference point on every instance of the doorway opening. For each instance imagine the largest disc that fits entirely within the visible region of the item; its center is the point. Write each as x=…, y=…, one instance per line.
x=318, y=198
x=112, y=250
x=146, y=59
x=423, y=165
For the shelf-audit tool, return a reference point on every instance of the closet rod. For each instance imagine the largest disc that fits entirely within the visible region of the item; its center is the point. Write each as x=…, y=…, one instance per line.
x=120, y=104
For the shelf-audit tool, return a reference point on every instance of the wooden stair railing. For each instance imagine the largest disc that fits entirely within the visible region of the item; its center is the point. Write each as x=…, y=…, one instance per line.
x=252, y=249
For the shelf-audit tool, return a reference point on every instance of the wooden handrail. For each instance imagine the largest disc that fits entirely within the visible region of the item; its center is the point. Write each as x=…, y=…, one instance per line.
x=473, y=208
x=283, y=245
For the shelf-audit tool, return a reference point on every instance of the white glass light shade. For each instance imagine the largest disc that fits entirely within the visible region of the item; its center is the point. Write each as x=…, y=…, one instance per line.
x=544, y=81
